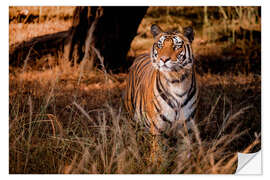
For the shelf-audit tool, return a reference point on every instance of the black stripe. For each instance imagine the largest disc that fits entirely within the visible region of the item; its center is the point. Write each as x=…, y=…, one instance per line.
x=143, y=116
x=184, y=64
x=140, y=107
x=189, y=97
x=136, y=74
x=152, y=54
x=141, y=57
x=155, y=126
x=191, y=116
x=175, y=81
x=184, y=56
x=132, y=91
x=135, y=97
x=139, y=60
x=138, y=63
x=162, y=94
x=188, y=47
x=164, y=118
x=167, y=100
x=189, y=60
x=140, y=67
x=156, y=107
x=193, y=82
x=180, y=80
x=184, y=76
x=175, y=69
x=147, y=122
x=167, y=93
x=193, y=113
x=190, y=94
x=190, y=55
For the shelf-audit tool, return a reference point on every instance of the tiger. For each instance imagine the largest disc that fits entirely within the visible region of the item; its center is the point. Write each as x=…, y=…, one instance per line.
x=161, y=88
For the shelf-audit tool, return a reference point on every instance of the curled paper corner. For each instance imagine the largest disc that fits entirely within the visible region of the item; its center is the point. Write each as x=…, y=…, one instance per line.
x=249, y=163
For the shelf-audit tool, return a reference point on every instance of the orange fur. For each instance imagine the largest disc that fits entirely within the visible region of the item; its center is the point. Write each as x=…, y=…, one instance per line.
x=148, y=86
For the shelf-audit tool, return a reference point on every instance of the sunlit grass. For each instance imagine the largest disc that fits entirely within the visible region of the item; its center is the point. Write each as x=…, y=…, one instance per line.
x=60, y=126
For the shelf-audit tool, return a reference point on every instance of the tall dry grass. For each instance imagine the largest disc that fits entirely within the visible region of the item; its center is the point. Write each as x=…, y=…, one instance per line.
x=106, y=140
x=59, y=124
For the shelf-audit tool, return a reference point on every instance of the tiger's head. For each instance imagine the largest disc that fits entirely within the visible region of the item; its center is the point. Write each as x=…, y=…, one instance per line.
x=172, y=51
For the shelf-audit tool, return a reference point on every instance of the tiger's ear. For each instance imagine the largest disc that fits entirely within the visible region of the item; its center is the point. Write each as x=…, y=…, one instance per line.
x=189, y=33
x=155, y=30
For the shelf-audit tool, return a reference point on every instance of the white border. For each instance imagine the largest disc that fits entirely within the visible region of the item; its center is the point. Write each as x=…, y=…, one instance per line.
x=4, y=90
x=265, y=73
x=138, y=2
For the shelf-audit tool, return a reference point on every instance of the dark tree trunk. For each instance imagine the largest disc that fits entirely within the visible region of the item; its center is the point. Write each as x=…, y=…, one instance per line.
x=112, y=36
x=83, y=17
x=109, y=30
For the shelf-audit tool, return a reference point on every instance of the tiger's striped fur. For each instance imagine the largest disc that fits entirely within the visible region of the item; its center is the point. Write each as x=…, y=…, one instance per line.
x=161, y=88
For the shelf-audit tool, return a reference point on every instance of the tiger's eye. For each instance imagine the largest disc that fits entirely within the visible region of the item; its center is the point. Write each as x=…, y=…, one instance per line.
x=159, y=45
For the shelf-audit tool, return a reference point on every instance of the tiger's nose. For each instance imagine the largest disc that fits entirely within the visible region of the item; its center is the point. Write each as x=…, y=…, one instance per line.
x=165, y=58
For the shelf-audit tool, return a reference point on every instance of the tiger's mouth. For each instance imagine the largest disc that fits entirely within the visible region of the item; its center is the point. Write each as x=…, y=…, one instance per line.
x=168, y=66
x=172, y=66
x=164, y=68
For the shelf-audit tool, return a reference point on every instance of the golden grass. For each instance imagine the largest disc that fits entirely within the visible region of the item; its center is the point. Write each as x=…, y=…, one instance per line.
x=41, y=11
x=58, y=125
x=23, y=32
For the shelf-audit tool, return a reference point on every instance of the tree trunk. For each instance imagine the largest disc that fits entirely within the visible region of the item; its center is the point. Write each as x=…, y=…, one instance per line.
x=105, y=30
x=115, y=28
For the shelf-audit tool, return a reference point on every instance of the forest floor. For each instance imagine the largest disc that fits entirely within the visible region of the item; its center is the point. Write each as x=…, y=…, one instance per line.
x=67, y=119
